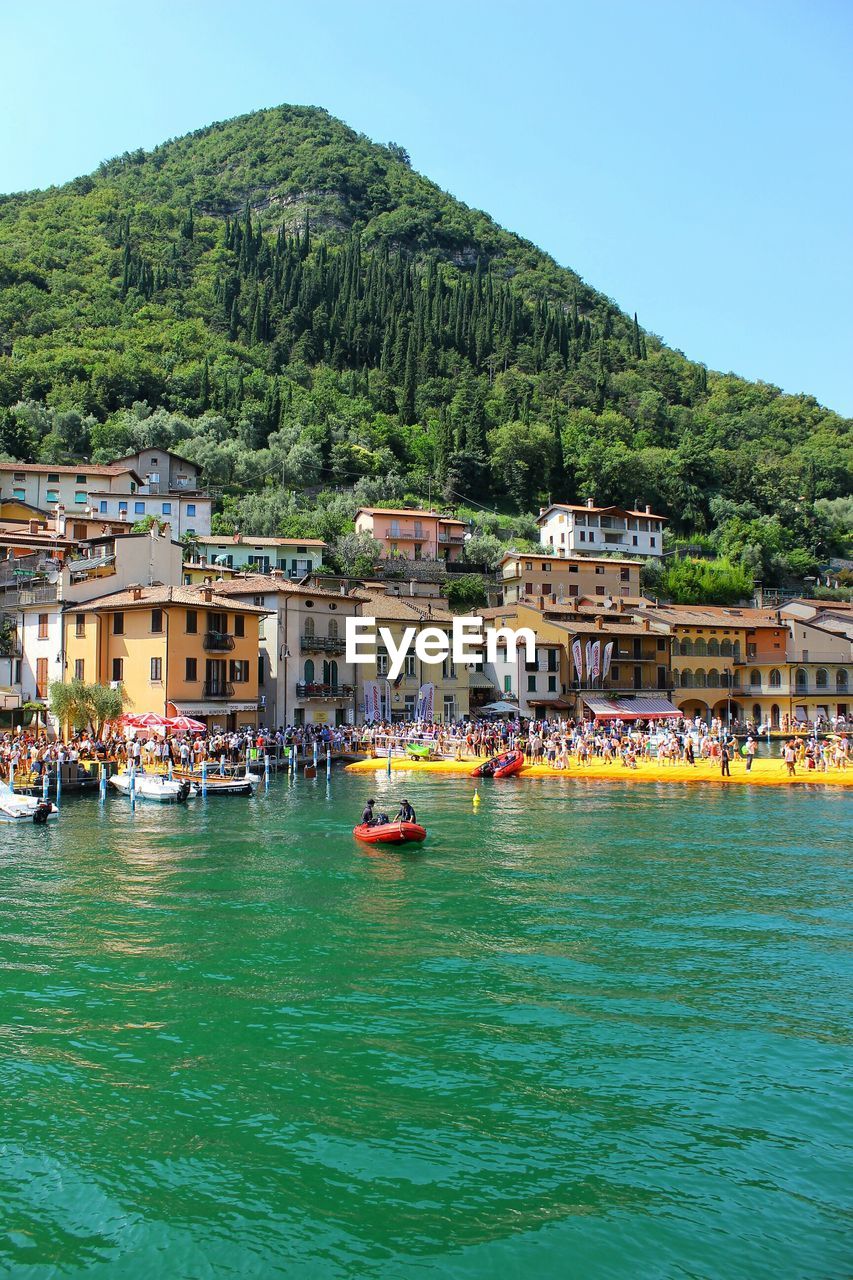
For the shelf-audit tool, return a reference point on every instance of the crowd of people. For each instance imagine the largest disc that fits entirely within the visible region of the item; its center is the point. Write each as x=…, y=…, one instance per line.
x=560, y=743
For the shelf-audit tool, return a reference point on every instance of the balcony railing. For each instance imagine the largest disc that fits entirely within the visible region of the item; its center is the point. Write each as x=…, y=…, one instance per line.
x=218, y=689
x=322, y=644
x=315, y=690
x=218, y=641
x=407, y=532
x=455, y=538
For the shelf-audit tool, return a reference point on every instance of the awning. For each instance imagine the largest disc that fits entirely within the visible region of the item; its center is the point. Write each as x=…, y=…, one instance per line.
x=211, y=708
x=558, y=703
x=479, y=680
x=632, y=708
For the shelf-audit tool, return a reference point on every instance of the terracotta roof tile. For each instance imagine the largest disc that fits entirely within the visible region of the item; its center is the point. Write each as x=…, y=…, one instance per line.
x=156, y=596
x=257, y=584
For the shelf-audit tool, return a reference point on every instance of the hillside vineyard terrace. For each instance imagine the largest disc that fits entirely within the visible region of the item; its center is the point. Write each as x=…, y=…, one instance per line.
x=432, y=644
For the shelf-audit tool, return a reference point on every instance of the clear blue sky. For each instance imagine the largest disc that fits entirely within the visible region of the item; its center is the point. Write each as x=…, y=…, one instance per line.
x=692, y=160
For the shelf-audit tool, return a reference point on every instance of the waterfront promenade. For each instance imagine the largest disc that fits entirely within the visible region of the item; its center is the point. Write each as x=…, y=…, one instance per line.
x=764, y=772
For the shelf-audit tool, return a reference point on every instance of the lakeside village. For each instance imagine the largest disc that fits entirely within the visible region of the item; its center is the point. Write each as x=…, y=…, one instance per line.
x=241, y=647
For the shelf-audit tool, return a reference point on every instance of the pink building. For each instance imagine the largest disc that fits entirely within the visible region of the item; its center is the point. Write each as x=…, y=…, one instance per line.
x=414, y=535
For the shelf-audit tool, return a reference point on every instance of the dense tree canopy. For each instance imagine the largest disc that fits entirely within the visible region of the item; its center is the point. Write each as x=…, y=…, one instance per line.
x=294, y=308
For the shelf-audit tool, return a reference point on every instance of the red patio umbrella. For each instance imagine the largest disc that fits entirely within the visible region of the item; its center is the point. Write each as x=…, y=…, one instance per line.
x=147, y=720
x=186, y=724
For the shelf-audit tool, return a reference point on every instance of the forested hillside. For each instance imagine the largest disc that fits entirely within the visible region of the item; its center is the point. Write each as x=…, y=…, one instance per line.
x=288, y=303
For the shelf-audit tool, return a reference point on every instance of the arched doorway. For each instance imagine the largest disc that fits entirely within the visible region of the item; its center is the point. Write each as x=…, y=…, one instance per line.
x=693, y=708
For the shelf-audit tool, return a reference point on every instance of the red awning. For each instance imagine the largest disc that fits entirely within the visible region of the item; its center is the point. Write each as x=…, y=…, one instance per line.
x=632, y=709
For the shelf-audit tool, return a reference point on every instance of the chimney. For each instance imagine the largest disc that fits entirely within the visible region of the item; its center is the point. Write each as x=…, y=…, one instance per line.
x=647, y=626
x=636, y=504
x=412, y=587
x=135, y=590
x=207, y=594
x=590, y=502
x=648, y=510
x=238, y=537
x=599, y=623
x=34, y=526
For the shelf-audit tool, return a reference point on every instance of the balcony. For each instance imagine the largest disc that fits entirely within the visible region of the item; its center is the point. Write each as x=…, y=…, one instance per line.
x=322, y=644
x=407, y=533
x=218, y=642
x=218, y=689
x=455, y=539
x=316, y=690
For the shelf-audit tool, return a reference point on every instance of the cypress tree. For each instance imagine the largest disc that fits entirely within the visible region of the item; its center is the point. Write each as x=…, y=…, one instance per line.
x=204, y=387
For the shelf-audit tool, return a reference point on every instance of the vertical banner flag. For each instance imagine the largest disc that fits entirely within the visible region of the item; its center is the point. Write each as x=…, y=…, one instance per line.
x=371, y=691
x=577, y=659
x=426, y=702
x=608, y=654
x=376, y=702
x=596, y=659
x=589, y=661
x=388, y=715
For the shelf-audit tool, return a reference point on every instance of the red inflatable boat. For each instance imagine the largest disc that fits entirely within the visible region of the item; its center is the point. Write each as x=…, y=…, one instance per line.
x=503, y=766
x=390, y=833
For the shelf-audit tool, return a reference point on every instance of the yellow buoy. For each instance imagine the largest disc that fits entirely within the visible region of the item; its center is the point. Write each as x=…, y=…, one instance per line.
x=476, y=800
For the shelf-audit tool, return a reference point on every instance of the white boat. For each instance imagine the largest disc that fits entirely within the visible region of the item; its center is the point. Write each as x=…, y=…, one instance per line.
x=15, y=808
x=241, y=785
x=152, y=786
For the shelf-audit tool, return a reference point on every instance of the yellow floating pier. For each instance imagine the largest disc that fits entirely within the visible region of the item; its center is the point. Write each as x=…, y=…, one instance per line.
x=764, y=773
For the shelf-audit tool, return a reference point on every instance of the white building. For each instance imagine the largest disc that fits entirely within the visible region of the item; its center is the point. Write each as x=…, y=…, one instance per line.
x=115, y=492
x=185, y=512
x=302, y=675
x=567, y=530
x=47, y=486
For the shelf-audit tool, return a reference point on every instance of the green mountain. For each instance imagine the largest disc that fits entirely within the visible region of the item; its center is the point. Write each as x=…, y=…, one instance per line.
x=293, y=306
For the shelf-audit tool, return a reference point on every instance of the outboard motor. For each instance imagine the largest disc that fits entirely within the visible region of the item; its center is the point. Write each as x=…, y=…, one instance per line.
x=185, y=789
x=42, y=812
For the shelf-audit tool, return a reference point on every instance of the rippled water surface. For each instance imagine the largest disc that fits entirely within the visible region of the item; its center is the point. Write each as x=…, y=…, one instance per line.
x=589, y=1030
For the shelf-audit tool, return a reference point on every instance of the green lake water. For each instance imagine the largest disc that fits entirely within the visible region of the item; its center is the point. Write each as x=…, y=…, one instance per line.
x=591, y=1030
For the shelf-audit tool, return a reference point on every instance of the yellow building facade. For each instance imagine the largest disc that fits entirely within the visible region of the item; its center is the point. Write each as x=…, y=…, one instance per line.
x=173, y=651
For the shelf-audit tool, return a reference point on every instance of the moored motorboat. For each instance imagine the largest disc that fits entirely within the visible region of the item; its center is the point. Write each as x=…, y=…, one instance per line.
x=502, y=766
x=152, y=786
x=390, y=833
x=244, y=785
x=15, y=808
